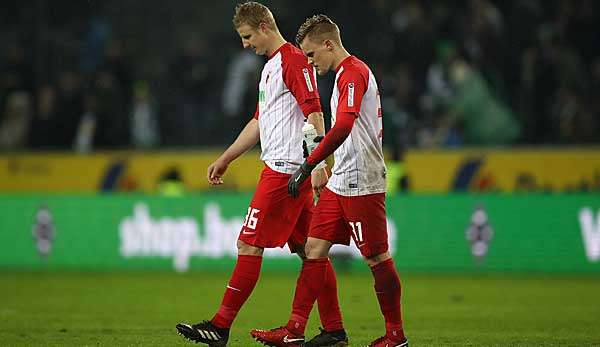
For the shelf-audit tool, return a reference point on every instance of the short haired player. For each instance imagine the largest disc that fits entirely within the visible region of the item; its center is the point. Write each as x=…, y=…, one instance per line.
x=353, y=203
x=287, y=97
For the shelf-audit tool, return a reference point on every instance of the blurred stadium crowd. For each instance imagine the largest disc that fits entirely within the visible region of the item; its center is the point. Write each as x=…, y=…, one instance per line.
x=150, y=74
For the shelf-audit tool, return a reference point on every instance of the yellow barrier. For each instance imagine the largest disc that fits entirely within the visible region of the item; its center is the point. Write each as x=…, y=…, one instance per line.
x=120, y=171
x=427, y=171
x=504, y=170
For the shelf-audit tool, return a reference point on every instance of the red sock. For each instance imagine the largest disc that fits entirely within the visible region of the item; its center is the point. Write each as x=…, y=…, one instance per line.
x=329, y=307
x=388, y=290
x=308, y=288
x=240, y=286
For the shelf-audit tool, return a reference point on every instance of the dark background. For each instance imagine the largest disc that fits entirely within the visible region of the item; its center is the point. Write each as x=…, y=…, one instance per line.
x=88, y=75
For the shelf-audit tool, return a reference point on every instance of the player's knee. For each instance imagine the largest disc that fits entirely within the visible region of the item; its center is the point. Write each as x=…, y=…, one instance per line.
x=376, y=259
x=317, y=248
x=246, y=249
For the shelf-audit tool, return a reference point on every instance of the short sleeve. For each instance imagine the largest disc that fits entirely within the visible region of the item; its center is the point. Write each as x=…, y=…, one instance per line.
x=352, y=87
x=299, y=77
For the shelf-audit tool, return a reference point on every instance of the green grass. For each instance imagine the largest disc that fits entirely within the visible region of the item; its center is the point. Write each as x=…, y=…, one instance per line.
x=142, y=308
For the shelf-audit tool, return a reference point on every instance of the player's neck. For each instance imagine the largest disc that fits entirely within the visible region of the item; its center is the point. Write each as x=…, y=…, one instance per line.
x=339, y=56
x=276, y=42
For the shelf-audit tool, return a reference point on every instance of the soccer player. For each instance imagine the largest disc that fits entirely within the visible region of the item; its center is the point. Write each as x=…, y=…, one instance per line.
x=353, y=202
x=287, y=97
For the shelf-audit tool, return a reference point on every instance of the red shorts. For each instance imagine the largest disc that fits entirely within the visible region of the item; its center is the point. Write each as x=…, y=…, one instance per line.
x=274, y=218
x=337, y=218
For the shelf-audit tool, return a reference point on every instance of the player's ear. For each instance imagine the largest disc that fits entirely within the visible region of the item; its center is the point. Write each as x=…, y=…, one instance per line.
x=262, y=26
x=328, y=44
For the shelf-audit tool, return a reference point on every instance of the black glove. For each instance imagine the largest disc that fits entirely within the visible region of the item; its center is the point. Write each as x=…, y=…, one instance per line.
x=298, y=177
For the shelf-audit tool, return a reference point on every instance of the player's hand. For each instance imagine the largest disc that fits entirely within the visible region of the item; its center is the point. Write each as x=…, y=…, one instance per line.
x=318, y=180
x=298, y=178
x=215, y=172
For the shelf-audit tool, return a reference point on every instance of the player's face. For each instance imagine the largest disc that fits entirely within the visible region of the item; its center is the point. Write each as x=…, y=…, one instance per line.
x=252, y=38
x=319, y=55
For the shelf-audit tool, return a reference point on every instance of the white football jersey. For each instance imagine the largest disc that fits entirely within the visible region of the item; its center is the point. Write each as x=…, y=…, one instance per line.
x=359, y=167
x=287, y=94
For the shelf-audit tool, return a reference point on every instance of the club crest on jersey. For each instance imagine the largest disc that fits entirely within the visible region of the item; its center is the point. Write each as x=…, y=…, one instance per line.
x=307, y=78
x=351, y=94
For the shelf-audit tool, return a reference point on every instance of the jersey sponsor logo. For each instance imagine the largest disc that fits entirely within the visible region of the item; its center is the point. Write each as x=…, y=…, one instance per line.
x=307, y=79
x=351, y=94
x=261, y=96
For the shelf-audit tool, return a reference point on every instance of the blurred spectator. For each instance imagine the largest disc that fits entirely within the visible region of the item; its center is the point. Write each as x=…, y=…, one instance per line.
x=59, y=110
x=16, y=73
x=573, y=120
x=482, y=117
x=44, y=123
x=536, y=59
x=400, y=111
x=144, y=123
x=86, y=129
x=482, y=38
x=239, y=91
x=435, y=103
x=170, y=183
x=112, y=125
x=414, y=37
x=93, y=44
x=190, y=114
x=117, y=64
x=547, y=67
x=14, y=127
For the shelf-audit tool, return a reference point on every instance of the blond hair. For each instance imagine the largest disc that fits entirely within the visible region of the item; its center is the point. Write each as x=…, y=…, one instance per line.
x=253, y=13
x=318, y=27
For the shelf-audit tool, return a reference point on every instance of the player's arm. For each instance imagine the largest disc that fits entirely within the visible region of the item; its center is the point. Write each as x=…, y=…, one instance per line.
x=317, y=120
x=334, y=138
x=319, y=176
x=248, y=138
x=299, y=77
x=352, y=87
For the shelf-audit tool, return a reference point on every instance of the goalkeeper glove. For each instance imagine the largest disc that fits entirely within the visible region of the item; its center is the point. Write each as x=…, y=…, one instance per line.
x=306, y=150
x=298, y=177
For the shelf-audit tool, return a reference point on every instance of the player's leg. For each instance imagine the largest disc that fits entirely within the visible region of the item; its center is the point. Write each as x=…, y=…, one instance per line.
x=366, y=217
x=309, y=285
x=316, y=277
x=388, y=290
x=317, y=280
x=254, y=237
x=327, y=301
x=241, y=284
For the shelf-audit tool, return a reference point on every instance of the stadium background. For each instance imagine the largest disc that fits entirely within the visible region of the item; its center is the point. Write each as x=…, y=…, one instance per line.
x=110, y=112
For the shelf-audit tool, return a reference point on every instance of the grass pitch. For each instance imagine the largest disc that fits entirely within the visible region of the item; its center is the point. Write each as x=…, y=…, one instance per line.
x=142, y=308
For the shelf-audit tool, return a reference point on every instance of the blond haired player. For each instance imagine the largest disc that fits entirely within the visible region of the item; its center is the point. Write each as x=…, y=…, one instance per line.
x=353, y=203
x=287, y=97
